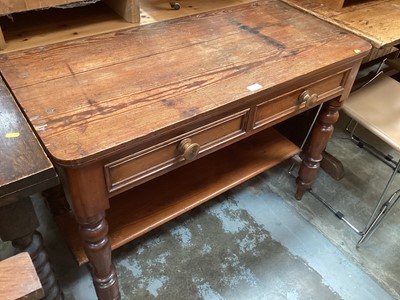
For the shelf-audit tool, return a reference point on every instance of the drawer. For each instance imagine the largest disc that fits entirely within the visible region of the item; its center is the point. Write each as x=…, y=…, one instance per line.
x=286, y=104
x=140, y=166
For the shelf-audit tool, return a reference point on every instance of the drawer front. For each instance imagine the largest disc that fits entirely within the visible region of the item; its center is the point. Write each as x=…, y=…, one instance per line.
x=289, y=103
x=136, y=168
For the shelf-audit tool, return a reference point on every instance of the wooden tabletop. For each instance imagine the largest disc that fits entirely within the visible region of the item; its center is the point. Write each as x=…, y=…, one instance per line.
x=24, y=167
x=376, y=21
x=90, y=97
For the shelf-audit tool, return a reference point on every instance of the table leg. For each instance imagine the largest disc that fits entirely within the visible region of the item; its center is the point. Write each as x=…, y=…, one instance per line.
x=320, y=136
x=86, y=193
x=18, y=223
x=94, y=234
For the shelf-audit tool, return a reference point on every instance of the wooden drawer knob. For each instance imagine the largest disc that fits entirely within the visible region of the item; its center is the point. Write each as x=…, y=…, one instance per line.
x=308, y=98
x=188, y=149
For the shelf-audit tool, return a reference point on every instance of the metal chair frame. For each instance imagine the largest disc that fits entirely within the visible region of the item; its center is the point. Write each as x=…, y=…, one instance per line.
x=382, y=207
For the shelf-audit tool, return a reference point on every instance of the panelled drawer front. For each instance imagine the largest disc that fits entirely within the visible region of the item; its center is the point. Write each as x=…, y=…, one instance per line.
x=137, y=167
x=281, y=106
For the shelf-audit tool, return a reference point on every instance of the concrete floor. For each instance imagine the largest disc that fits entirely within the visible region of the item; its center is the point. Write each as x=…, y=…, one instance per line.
x=257, y=242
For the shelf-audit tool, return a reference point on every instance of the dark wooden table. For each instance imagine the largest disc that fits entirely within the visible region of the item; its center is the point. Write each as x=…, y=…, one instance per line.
x=150, y=122
x=24, y=170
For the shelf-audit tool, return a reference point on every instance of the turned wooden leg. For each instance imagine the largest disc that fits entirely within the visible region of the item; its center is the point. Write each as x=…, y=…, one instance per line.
x=87, y=195
x=97, y=247
x=320, y=136
x=33, y=244
x=18, y=223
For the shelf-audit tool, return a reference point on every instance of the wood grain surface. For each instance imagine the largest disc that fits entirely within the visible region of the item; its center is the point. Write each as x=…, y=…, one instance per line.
x=376, y=21
x=92, y=95
x=24, y=166
x=43, y=27
x=18, y=279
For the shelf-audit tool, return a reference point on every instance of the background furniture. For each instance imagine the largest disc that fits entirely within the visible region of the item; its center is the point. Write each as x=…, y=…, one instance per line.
x=377, y=22
x=24, y=170
x=18, y=279
x=40, y=27
x=128, y=9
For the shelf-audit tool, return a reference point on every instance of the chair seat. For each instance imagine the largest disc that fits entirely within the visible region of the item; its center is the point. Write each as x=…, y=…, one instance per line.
x=376, y=107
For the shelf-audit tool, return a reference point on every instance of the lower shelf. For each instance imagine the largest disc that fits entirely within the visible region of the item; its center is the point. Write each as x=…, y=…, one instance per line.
x=143, y=208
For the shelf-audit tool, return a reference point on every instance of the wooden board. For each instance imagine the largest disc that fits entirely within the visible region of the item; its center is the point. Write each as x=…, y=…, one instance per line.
x=18, y=278
x=143, y=208
x=129, y=10
x=40, y=28
x=376, y=21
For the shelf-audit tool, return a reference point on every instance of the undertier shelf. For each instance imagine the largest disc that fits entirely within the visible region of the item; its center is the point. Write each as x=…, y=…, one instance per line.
x=147, y=206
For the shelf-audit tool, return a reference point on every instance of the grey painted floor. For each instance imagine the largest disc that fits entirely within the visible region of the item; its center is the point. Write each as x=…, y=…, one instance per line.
x=257, y=242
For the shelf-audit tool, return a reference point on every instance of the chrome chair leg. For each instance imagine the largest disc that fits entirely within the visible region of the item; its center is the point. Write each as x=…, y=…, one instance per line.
x=381, y=210
x=297, y=158
x=384, y=211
